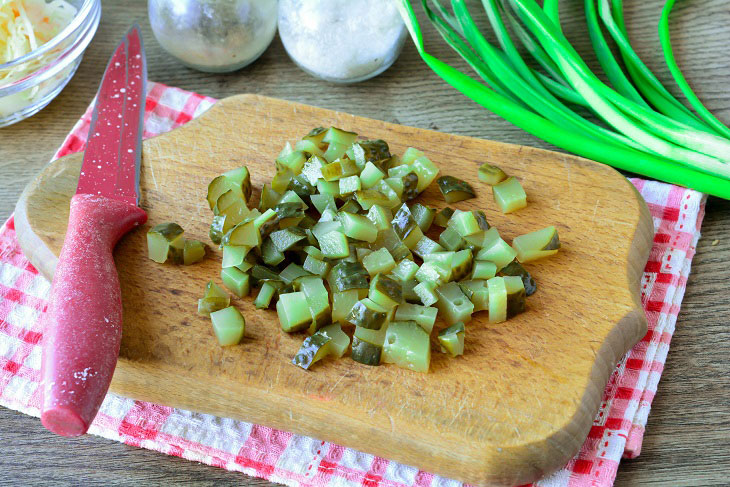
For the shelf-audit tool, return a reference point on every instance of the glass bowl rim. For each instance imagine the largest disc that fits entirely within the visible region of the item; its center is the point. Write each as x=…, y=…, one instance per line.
x=80, y=17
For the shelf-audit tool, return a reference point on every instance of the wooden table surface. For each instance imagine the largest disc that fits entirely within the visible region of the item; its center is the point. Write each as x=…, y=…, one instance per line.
x=688, y=435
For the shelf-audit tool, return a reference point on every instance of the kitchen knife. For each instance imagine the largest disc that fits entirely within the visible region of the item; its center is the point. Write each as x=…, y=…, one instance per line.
x=83, y=323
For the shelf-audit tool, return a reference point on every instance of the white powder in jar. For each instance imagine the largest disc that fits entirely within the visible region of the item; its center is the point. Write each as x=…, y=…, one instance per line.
x=341, y=40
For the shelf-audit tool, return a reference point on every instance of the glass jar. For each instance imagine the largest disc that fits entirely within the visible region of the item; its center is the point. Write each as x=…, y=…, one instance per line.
x=343, y=41
x=215, y=36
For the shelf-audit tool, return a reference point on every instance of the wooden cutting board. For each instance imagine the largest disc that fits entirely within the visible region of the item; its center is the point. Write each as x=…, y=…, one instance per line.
x=517, y=405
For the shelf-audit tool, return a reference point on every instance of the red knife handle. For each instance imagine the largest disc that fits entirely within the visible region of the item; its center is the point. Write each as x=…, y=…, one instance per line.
x=83, y=324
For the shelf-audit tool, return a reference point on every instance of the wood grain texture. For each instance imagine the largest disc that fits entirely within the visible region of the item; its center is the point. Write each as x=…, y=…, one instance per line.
x=520, y=402
x=687, y=440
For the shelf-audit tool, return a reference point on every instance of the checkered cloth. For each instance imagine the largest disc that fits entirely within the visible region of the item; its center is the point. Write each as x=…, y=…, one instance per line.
x=301, y=461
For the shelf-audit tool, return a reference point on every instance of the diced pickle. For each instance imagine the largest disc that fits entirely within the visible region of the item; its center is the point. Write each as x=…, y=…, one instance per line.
x=349, y=185
x=237, y=180
x=515, y=295
x=450, y=239
x=334, y=245
x=478, y=293
x=432, y=272
x=410, y=186
x=348, y=275
x=288, y=214
x=377, y=152
x=318, y=301
x=483, y=269
x=465, y=223
x=426, y=170
x=442, y=217
x=269, y=198
x=323, y=201
x=514, y=268
x=316, y=266
x=366, y=353
x=234, y=255
x=536, y=245
x=491, y=174
x=362, y=252
x=328, y=187
x=385, y=291
x=423, y=215
x=194, y=251
x=426, y=291
x=403, y=222
x=497, y=300
x=496, y=250
x=358, y=227
x=245, y=233
x=266, y=293
x=270, y=254
x=293, y=161
x=452, y=339
x=340, y=341
x=379, y=261
x=389, y=239
x=380, y=216
x=228, y=325
x=219, y=227
x=308, y=147
x=396, y=184
x=409, y=293
x=367, y=314
x=386, y=190
x=208, y=305
x=370, y=175
x=338, y=141
x=405, y=270
x=292, y=272
x=215, y=298
x=461, y=265
x=410, y=155
x=342, y=303
x=162, y=238
x=238, y=282
x=292, y=197
x=316, y=135
x=301, y=186
x=455, y=189
x=407, y=345
x=312, y=169
x=425, y=316
x=285, y=239
x=453, y=303
x=293, y=312
x=369, y=197
x=509, y=195
x=313, y=349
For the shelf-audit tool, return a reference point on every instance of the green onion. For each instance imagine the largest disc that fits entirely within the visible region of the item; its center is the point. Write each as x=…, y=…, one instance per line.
x=641, y=128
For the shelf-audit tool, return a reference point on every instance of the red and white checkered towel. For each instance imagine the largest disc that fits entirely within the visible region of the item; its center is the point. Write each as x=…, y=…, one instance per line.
x=301, y=461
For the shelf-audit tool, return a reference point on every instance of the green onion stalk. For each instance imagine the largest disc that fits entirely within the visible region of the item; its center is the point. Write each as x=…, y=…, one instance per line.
x=641, y=127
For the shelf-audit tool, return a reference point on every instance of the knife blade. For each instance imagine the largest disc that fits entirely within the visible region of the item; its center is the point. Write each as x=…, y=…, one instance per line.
x=83, y=323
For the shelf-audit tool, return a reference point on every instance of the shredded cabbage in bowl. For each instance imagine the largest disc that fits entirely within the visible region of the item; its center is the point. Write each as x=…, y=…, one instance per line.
x=26, y=25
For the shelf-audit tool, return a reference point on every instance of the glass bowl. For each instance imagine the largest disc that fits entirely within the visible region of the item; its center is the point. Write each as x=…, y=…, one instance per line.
x=49, y=67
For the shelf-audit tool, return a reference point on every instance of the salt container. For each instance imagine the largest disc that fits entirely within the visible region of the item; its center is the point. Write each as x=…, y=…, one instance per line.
x=342, y=41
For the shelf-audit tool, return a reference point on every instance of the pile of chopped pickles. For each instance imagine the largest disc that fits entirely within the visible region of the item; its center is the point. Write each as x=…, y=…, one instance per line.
x=337, y=242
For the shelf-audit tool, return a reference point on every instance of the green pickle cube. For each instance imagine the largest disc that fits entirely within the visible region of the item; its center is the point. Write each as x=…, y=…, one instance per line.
x=509, y=195
x=407, y=345
x=238, y=282
x=497, y=300
x=293, y=312
x=453, y=304
x=452, y=339
x=228, y=325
